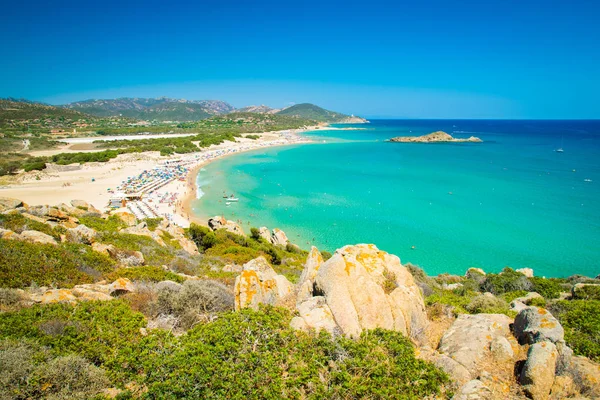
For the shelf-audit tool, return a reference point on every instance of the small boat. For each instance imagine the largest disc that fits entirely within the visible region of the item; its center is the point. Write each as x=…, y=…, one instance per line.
x=559, y=150
x=229, y=199
x=587, y=180
x=227, y=203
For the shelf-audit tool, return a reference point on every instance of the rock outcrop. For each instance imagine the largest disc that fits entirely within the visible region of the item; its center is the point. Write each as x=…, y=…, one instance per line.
x=363, y=288
x=533, y=325
x=434, y=137
x=34, y=237
x=473, y=390
x=276, y=237
x=219, y=222
x=86, y=292
x=260, y=284
x=528, y=272
x=7, y=203
x=537, y=376
x=472, y=339
x=81, y=234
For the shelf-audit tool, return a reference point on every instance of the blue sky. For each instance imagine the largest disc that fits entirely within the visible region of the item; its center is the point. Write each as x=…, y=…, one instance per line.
x=434, y=59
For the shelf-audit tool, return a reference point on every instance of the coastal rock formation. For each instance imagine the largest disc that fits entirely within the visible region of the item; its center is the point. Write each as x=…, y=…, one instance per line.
x=81, y=234
x=471, y=338
x=533, y=325
x=125, y=216
x=528, y=272
x=219, y=222
x=537, y=376
x=364, y=288
x=276, y=237
x=86, y=292
x=34, y=237
x=586, y=291
x=259, y=284
x=434, y=137
x=588, y=376
x=7, y=203
x=309, y=273
x=521, y=303
x=473, y=390
x=128, y=258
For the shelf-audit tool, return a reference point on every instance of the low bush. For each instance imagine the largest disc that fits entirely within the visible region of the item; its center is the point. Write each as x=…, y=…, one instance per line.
x=581, y=322
x=64, y=265
x=537, y=302
x=145, y=273
x=9, y=297
x=18, y=223
x=508, y=280
x=489, y=304
x=153, y=223
x=510, y=296
x=459, y=301
x=549, y=288
x=587, y=292
x=195, y=301
x=110, y=224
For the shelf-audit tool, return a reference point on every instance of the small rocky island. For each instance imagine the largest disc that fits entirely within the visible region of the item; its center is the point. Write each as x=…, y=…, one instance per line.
x=434, y=137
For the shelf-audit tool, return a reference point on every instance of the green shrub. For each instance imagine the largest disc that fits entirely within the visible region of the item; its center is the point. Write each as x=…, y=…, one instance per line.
x=489, y=304
x=254, y=233
x=145, y=273
x=255, y=355
x=537, y=302
x=195, y=301
x=64, y=265
x=459, y=301
x=9, y=297
x=111, y=224
x=508, y=280
x=510, y=296
x=586, y=292
x=326, y=255
x=18, y=223
x=153, y=223
x=581, y=322
x=154, y=253
x=549, y=288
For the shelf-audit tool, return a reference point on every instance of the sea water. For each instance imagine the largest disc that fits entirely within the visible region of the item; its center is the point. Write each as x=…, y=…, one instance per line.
x=510, y=201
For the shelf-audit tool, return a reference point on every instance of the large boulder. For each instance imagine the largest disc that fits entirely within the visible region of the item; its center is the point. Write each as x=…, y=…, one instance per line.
x=365, y=288
x=473, y=390
x=309, y=273
x=315, y=314
x=537, y=375
x=528, y=272
x=36, y=237
x=533, y=325
x=81, y=234
x=7, y=203
x=54, y=296
x=472, y=339
x=259, y=284
x=189, y=246
x=121, y=286
x=219, y=222
x=265, y=233
x=85, y=294
x=279, y=237
x=587, y=374
x=125, y=216
x=128, y=258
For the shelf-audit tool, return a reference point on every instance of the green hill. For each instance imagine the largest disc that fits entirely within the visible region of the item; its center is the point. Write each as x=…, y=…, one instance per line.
x=313, y=112
x=18, y=110
x=160, y=109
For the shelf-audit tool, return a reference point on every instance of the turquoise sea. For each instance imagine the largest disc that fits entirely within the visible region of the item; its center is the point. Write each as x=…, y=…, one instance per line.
x=510, y=201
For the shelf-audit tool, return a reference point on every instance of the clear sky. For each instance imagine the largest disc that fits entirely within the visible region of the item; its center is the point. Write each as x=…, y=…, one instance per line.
x=415, y=59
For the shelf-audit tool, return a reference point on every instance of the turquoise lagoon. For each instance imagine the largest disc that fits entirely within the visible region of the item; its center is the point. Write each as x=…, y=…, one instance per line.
x=510, y=201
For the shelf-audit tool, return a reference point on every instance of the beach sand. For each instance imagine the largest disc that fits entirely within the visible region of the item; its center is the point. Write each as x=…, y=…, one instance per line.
x=91, y=182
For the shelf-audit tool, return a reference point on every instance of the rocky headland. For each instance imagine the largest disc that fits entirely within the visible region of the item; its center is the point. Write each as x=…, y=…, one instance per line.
x=435, y=137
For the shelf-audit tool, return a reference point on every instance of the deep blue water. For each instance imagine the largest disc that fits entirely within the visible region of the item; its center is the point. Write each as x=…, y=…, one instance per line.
x=510, y=201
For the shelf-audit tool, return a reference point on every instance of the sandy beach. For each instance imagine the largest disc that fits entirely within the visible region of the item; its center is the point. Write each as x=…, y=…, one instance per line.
x=97, y=182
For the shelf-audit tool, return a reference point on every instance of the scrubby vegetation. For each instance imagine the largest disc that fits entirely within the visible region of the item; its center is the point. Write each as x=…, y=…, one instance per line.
x=581, y=321
x=64, y=265
x=244, y=354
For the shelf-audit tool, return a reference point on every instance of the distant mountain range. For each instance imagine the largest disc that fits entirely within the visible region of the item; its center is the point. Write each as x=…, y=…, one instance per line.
x=159, y=109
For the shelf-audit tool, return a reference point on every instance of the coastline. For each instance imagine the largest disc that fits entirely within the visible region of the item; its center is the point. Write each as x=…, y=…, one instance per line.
x=95, y=182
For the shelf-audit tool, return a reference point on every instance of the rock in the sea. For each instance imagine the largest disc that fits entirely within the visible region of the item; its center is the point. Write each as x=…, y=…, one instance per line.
x=528, y=272
x=473, y=390
x=259, y=284
x=434, y=137
x=533, y=325
x=81, y=234
x=537, y=375
x=469, y=339
x=366, y=289
x=219, y=222
x=7, y=203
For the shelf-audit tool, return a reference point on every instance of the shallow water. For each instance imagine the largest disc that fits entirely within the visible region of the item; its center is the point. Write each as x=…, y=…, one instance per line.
x=510, y=201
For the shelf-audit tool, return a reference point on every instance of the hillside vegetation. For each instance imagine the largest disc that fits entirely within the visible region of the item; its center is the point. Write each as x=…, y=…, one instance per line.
x=160, y=109
x=311, y=111
x=174, y=323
